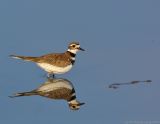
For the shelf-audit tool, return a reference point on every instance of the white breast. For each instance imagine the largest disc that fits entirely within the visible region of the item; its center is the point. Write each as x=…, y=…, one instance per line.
x=54, y=69
x=55, y=86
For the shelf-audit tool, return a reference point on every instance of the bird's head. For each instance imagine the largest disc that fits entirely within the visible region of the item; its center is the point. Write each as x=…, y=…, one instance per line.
x=75, y=105
x=74, y=47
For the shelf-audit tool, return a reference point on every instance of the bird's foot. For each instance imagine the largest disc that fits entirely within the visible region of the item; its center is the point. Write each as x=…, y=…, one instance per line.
x=50, y=75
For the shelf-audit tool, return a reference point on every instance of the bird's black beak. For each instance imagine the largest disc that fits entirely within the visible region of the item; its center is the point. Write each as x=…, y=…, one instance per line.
x=81, y=49
x=81, y=103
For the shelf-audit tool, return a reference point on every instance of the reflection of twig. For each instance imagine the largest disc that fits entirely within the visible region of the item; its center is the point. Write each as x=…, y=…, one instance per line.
x=115, y=85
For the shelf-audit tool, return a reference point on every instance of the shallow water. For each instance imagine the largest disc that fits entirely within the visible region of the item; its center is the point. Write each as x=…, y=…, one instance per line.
x=122, y=44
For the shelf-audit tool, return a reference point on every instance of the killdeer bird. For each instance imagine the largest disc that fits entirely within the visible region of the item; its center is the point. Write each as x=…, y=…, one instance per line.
x=55, y=63
x=56, y=89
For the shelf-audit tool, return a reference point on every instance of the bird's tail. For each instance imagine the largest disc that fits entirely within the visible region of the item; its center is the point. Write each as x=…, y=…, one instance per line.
x=26, y=58
x=24, y=94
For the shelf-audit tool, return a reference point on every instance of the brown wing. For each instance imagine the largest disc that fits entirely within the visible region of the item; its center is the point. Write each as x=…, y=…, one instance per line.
x=60, y=59
x=62, y=93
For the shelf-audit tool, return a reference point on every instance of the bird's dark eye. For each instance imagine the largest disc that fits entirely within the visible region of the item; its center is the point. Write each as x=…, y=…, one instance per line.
x=74, y=106
x=73, y=45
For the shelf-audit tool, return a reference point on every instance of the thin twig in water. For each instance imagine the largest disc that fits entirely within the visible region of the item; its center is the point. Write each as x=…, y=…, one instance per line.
x=116, y=85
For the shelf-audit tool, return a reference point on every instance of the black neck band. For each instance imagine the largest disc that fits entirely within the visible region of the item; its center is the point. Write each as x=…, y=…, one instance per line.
x=72, y=54
x=72, y=61
x=72, y=98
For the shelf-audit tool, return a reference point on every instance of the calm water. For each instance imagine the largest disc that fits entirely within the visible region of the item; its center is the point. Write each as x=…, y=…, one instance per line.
x=122, y=44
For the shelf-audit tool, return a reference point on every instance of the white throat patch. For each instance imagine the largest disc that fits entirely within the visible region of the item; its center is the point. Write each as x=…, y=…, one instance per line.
x=73, y=51
x=74, y=101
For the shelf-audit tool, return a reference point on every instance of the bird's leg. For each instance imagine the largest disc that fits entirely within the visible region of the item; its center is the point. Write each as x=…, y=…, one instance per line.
x=50, y=75
x=53, y=76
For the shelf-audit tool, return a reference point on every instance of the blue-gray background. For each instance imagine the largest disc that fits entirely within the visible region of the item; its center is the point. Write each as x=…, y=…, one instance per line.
x=122, y=42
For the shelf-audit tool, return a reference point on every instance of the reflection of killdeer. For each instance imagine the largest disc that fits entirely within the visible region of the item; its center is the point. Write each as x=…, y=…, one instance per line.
x=56, y=89
x=55, y=63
